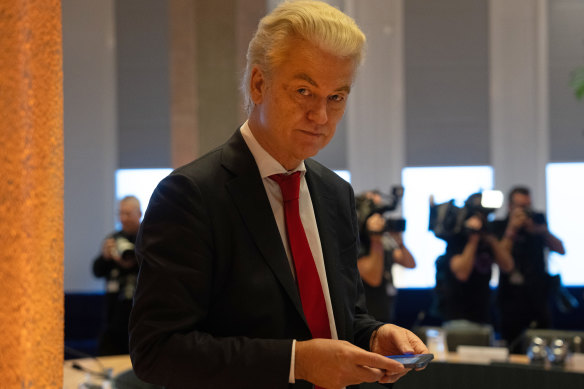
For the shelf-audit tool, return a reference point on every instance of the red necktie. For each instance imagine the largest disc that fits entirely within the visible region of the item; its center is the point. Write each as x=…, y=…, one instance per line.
x=311, y=294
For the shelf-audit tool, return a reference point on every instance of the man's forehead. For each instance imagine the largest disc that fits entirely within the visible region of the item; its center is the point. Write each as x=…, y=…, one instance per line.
x=129, y=205
x=521, y=198
x=342, y=87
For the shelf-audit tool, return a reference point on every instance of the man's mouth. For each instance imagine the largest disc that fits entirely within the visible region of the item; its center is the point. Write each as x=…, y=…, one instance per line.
x=311, y=133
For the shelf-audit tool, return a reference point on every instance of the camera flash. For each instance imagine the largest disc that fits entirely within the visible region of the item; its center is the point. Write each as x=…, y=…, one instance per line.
x=492, y=199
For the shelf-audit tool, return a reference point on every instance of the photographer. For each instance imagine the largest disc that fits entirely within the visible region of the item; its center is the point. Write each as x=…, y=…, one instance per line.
x=381, y=247
x=523, y=295
x=117, y=264
x=463, y=273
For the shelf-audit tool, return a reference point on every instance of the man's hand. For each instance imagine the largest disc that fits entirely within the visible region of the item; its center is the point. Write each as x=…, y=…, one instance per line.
x=375, y=224
x=474, y=223
x=336, y=363
x=517, y=219
x=109, y=250
x=397, y=238
x=390, y=339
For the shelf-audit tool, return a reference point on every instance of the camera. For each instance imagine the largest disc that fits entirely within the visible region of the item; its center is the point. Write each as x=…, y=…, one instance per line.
x=448, y=220
x=537, y=217
x=367, y=206
x=123, y=247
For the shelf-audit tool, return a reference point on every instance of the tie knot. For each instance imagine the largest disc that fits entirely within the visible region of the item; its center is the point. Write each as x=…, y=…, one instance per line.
x=289, y=185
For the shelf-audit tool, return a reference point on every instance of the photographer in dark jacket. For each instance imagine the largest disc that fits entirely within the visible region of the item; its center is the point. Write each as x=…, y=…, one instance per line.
x=463, y=273
x=381, y=247
x=117, y=264
x=524, y=294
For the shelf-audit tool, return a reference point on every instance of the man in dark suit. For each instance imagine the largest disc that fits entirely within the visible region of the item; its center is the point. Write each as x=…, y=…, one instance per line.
x=220, y=301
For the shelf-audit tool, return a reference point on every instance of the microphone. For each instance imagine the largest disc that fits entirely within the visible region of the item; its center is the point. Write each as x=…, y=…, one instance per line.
x=102, y=373
x=419, y=319
x=106, y=374
x=121, y=381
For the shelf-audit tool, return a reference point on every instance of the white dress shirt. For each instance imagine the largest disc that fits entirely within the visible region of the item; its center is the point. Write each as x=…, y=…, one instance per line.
x=268, y=166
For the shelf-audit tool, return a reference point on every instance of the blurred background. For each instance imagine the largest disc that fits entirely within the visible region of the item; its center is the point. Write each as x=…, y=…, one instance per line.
x=455, y=96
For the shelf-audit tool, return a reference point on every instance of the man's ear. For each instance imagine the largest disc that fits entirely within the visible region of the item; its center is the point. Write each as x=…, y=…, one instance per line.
x=257, y=85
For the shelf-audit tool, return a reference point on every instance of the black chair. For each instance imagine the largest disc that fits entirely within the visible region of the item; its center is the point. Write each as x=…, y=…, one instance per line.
x=461, y=336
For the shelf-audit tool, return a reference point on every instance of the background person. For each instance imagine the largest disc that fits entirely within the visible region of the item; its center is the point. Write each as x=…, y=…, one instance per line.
x=523, y=296
x=117, y=264
x=380, y=248
x=464, y=272
x=221, y=300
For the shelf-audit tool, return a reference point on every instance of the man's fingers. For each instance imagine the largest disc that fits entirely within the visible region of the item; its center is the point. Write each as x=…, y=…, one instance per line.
x=333, y=363
x=402, y=341
x=370, y=374
x=392, y=377
x=408, y=343
x=419, y=346
x=382, y=363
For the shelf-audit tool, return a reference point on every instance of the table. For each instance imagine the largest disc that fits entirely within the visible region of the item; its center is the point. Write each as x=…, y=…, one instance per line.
x=73, y=377
x=450, y=374
x=76, y=372
x=454, y=373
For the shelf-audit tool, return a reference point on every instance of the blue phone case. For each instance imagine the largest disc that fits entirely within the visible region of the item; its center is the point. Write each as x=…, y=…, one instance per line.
x=413, y=361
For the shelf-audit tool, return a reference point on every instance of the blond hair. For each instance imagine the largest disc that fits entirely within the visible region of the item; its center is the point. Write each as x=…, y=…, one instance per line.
x=310, y=20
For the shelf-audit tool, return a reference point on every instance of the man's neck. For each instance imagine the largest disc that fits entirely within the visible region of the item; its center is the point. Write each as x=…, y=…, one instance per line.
x=260, y=133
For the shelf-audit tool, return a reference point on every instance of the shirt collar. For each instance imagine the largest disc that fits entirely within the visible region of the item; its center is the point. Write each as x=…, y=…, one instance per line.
x=267, y=164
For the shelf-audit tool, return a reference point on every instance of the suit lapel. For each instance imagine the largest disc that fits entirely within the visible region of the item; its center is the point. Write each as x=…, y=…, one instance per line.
x=325, y=208
x=256, y=212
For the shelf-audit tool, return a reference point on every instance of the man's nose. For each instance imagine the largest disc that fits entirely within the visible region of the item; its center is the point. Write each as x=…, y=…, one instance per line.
x=318, y=111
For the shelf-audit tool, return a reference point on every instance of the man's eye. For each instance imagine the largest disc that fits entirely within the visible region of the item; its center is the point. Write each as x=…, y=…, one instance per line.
x=337, y=98
x=303, y=92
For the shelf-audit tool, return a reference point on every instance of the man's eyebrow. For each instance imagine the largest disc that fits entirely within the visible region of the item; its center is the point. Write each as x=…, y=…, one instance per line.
x=307, y=78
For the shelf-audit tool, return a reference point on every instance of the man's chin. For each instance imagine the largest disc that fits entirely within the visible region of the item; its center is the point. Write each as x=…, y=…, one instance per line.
x=310, y=153
x=310, y=149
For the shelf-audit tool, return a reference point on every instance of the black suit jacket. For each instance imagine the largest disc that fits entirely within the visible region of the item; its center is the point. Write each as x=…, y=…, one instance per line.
x=216, y=305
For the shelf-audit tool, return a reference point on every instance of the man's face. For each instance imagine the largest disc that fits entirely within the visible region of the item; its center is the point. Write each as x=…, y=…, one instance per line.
x=130, y=215
x=520, y=201
x=298, y=107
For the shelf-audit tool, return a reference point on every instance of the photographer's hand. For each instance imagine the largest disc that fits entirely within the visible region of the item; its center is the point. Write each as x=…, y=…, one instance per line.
x=474, y=223
x=517, y=219
x=502, y=256
x=372, y=266
x=462, y=264
x=401, y=254
x=375, y=224
x=109, y=250
x=554, y=243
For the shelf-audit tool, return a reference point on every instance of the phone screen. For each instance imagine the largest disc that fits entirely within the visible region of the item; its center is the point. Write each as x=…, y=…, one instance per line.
x=413, y=361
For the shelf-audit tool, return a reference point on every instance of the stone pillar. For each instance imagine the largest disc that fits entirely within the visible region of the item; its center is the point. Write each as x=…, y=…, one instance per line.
x=184, y=131
x=208, y=44
x=519, y=90
x=375, y=112
x=31, y=194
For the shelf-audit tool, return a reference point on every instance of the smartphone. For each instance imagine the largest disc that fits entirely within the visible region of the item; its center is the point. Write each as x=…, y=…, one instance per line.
x=413, y=361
